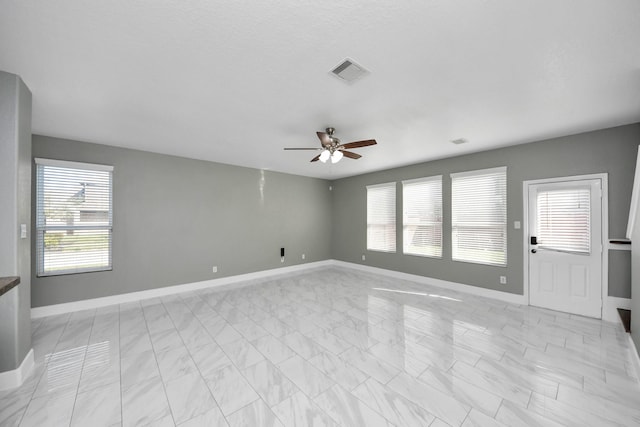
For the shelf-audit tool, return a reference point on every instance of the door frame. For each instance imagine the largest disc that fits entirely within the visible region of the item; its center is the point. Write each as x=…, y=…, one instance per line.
x=604, y=256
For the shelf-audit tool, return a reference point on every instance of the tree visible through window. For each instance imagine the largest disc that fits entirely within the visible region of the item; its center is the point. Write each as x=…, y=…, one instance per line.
x=74, y=220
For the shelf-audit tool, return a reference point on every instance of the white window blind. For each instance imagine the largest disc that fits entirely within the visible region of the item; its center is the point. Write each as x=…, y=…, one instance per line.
x=74, y=218
x=479, y=216
x=422, y=216
x=381, y=217
x=564, y=220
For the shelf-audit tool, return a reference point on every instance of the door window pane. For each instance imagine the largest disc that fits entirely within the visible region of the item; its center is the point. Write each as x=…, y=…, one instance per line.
x=564, y=220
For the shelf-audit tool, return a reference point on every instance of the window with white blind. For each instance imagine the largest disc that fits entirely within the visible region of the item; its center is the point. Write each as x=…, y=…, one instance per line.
x=74, y=218
x=564, y=220
x=381, y=217
x=479, y=216
x=422, y=216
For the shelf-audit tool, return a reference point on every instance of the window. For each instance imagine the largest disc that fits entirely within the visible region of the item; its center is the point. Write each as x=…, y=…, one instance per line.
x=422, y=216
x=479, y=216
x=564, y=220
x=74, y=217
x=381, y=217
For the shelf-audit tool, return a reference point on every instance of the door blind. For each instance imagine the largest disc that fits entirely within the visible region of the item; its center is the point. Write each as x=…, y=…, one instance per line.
x=564, y=220
x=422, y=216
x=381, y=217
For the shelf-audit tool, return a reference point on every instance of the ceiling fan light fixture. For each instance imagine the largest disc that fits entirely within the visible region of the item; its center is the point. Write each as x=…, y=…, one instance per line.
x=336, y=156
x=324, y=156
x=332, y=148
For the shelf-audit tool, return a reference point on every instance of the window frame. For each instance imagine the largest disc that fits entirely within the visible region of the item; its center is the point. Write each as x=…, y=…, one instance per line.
x=393, y=186
x=405, y=223
x=41, y=227
x=503, y=226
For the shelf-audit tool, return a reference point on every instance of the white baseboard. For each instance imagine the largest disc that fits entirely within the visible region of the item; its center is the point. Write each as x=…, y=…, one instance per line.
x=460, y=287
x=15, y=378
x=634, y=356
x=51, y=310
x=609, y=312
x=610, y=308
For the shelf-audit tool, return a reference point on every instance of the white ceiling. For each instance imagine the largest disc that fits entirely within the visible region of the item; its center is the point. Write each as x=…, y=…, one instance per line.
x=236, y=81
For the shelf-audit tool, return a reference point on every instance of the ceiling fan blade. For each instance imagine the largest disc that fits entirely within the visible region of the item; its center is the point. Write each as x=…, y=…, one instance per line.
x=300, y=148
x=325, y=139
x=357, y=144
x=316, y=158
x=350, y=154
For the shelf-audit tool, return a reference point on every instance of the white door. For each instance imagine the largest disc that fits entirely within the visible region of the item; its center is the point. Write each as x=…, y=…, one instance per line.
x=565, y=246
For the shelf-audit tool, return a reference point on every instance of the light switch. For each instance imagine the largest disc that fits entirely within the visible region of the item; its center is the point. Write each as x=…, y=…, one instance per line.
x=23, y=231
x=516, y=225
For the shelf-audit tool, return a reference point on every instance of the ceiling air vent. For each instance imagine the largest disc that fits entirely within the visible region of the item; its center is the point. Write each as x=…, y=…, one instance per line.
x=349, y=71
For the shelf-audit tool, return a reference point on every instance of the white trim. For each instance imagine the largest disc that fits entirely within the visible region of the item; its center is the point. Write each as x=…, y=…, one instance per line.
x=50, y=310
x=15, y=378
x=384, y=184
x=425, y=179
x=618, y=246
x=635, y=196
x=610, y=313
x=610, y=306
x=634, y=356
x=73, y=165
x=460, y=287
x=479, y=172
x=604, y=188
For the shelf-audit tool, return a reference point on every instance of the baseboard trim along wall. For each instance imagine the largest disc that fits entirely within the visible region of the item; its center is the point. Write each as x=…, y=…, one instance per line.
x=460, y=287
x=51, y=310
x=15, y=378
x=635, y=357
x=610, y=308
x=609, y=311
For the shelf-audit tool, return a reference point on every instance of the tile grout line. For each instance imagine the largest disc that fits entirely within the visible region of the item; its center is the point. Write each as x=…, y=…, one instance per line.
x=190, y=353
x=75, y=401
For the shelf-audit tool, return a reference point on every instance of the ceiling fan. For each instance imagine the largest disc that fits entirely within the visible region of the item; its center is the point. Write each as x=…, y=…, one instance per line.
x=331, y=148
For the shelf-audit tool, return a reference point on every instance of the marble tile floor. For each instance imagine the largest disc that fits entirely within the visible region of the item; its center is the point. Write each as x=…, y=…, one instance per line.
x=330, y=347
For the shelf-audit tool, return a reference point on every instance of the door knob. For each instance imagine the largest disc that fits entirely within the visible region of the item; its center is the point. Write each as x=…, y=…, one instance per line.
x=533, y=251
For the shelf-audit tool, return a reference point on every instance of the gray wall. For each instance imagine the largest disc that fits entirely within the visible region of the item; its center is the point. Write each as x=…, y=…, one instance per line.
x=620, y=273
x=635, y=279
x=609, y=150
x=15, y=196
x=175, y=218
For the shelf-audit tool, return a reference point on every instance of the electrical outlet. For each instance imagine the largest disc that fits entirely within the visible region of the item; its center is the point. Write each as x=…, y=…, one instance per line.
x=364, y=257
x=503, y=280
x=214, y=269
x=303, y=256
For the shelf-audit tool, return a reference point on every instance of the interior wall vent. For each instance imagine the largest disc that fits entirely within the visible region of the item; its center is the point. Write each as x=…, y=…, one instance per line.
x=349, y=71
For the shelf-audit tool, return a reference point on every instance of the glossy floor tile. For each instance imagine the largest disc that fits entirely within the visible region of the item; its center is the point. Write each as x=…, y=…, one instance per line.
x=330, y=347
